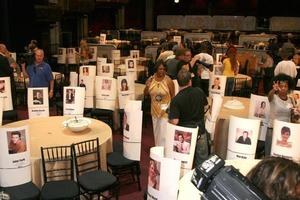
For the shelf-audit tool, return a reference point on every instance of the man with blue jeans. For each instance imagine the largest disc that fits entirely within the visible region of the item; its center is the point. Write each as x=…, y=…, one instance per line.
x=187, y=109
x=39, y=73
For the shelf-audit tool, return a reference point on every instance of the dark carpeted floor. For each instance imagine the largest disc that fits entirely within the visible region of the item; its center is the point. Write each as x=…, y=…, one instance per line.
x=127, y=191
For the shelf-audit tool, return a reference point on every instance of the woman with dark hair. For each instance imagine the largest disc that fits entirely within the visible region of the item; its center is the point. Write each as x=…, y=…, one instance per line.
x=160, y=87
x=280, y=105
x=124, y=85
x=231, y=68
x=278, y=178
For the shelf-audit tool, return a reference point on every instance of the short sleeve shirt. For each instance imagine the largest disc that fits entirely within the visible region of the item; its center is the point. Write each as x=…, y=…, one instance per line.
x=39, y=75
x=188, y=106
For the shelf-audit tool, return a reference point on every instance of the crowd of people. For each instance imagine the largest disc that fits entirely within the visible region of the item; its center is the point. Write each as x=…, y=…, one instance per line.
x=192, y=68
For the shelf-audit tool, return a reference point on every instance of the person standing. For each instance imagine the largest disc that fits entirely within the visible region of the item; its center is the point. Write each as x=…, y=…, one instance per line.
x=187, y=109
x=40, y=73
x=161, y=89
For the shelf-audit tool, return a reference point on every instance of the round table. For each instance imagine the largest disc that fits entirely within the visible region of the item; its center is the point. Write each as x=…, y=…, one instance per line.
x=49, y=131
x=188, y=191
x=222, y=124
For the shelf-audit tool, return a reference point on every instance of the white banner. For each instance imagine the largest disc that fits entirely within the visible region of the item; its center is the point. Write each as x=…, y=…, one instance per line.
x=285, y=140
x=130, y=65
x=132, y=130
x=163, y=176
x=87, y=70
x=106, y=92
x=242, y=138
x=100, y=61
x=106, y=69
x=135, y=54
x=88, y=83
x=62, y=56
x=180, y=144
x=14, y=156
x=38, y=102
x=125, y=90
x=73, y=79
x=71, y=55
x=93, y=51
x=5, y=93
x=217, y=85
x=1, y=111
x=74, y=101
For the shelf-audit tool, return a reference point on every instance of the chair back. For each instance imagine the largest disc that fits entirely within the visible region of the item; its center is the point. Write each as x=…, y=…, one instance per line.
x=86, y=156
x=57, y=163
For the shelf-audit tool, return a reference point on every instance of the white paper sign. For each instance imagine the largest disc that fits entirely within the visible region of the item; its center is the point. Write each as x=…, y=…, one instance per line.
x=132, y=126
x=215, y=108
x=106, y=92
x=180, y=144
x=71, y=55
x=217, y=85
x=285, y=141
x=74, y=101
x=259, y=109
x=106, y=69
x=296, y=97
x=130, y=65
x=135, y=54
x=125, y=91
x=1, y=111
x=38, y=103
x=88, y=83
x=62, y=56
x=218, y=69
x=87, y=70
x=177, y=38
x=115, y=55
x=93, y=51
x=102, y=38
x=219, y=58
x=163, y=176
x=242, y=138
x=73, y=79
x=100, y=61
x=5, y=93
x=14, y=156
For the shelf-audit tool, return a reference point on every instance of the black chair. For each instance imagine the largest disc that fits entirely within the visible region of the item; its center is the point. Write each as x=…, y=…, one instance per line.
x=240, y=88
x=121, y=167
x=25, y=191
x=91, y=179
x=58, y=174
x=9, y=116
x=103, y=115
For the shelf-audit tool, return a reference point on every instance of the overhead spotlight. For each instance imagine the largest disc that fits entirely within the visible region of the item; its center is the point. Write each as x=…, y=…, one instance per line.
x=176, y=1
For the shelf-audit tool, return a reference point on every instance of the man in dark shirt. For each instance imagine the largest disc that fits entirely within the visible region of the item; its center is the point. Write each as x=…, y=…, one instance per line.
x=187, y=109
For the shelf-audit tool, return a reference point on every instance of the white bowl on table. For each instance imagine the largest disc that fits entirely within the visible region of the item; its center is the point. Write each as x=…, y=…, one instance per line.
x=77, y=124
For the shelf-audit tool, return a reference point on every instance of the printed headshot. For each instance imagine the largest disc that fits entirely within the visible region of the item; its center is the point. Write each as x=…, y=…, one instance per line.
x=105, y=68
x=16, y=141
x=70, y=51
x=70, y=96
x=125, y=122
x=124, y=85
x=85, y=71
x=182, y=142
x=154, y=174
x=216, y=84
x=243, y=136
x=2, y=86
x=260, y=109
x=81, y=84
x=38, y=97
x=106, y=84
x=130, y=64
x=285, y=134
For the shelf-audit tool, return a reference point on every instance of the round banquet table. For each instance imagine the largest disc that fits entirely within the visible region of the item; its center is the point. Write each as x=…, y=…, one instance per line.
x=188, y=191
x=222, y=124
x=49, y=131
